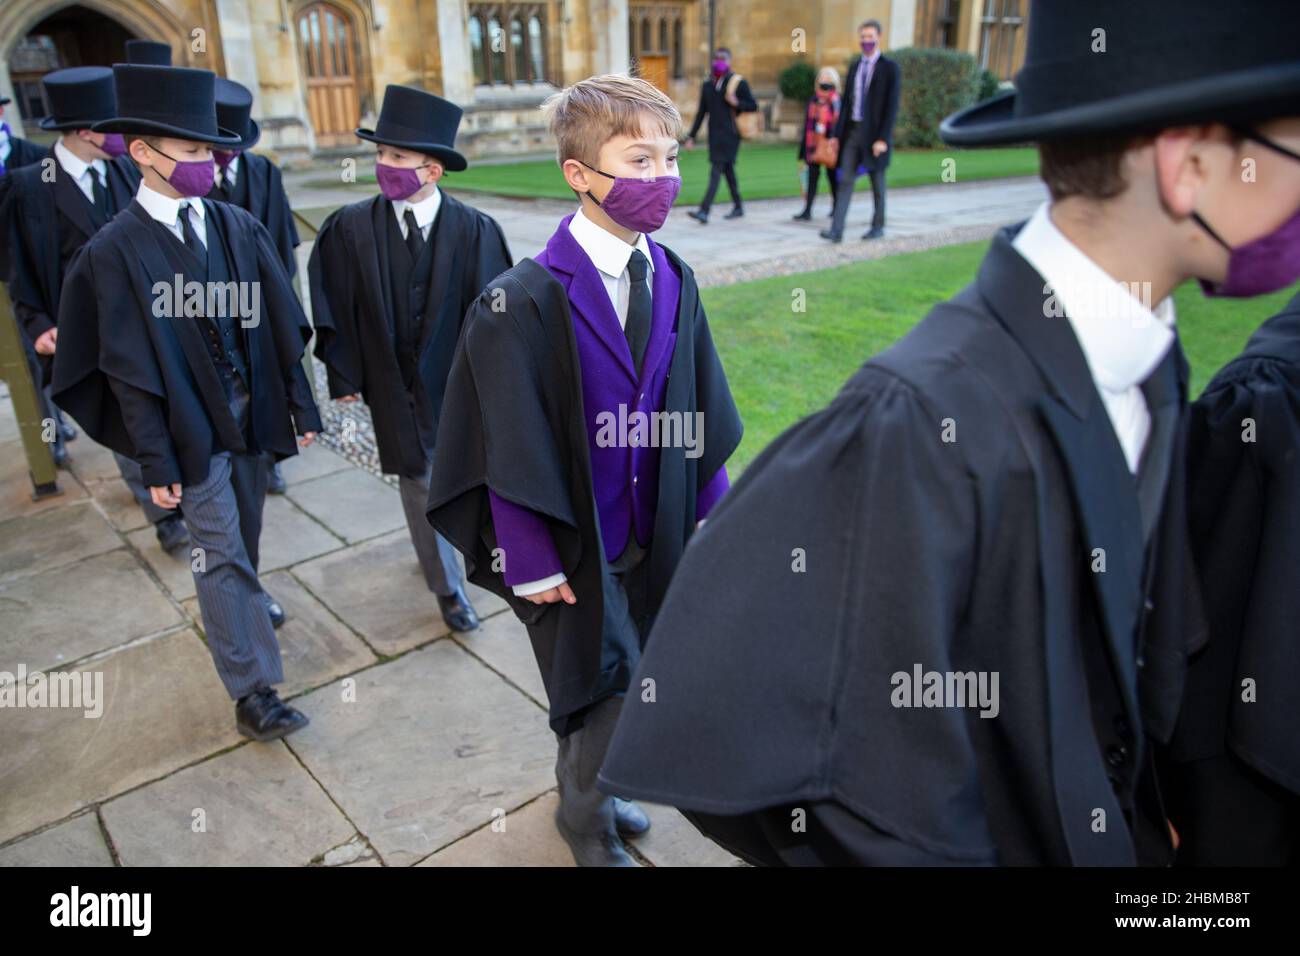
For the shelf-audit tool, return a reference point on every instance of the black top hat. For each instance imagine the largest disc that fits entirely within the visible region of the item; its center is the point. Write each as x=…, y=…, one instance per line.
x=166, y=101
x=79, y=96
x=416, y=120
x=148, y=52
x=1133, y=66
x=234, y=106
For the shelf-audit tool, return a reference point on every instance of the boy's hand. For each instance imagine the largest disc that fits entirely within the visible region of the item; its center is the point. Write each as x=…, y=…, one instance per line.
x=166, y=497
x=349, y=399
x=690, y=142
x=878, y=147
x=45, y=342
x=562, y=593
x=306, y=439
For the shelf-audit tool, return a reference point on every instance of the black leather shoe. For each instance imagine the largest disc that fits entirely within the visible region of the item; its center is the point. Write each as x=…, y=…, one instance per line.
x=275, y=483
x=458, y=612
x=831, y=234
x=60, y=454
x=873, y=234
x=735, y=213
x=802, y=216
x=594, y=849
x=701, y=217
x=263, y=716
x=172, y=533
x=273, y=608
x=630, y=819
x=66, y=431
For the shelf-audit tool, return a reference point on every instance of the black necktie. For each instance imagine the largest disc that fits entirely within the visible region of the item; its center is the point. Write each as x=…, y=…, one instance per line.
x=99, y=193
x=187, y=230
x=414, y=241
x=637, y=326
x=1162, y=397
x=223, y=183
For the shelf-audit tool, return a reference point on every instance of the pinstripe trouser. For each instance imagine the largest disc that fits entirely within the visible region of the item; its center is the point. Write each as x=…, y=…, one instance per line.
x=224, y=515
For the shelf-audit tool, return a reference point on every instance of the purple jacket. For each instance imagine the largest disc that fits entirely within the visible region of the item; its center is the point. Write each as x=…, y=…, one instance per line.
x=625, y=479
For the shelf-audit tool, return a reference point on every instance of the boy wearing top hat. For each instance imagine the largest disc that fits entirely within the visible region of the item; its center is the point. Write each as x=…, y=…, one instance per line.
x=986, y=625
x=391, y=278
x=593, y=421
x=180, y=345
x=253, y=182
x=47, y=219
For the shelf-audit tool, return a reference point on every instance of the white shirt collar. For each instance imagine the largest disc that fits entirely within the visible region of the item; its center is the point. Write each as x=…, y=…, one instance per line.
x=875, y=54
x=425, y=210
x=163, y=208
x=607, y=252
x=1122, y=339
x=73, y=164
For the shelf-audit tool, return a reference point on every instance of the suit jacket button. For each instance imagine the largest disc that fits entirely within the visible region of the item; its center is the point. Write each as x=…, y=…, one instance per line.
x=1141, y=662
x=1116, y=755
x=1149, y=605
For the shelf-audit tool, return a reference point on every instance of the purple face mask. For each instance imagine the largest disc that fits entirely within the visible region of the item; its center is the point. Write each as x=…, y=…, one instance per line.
x=398, y=183
x=641, y=205
x=868, y=47
x=224, y=157
x=191, y=178
x=1262, y=265
x=114, y=144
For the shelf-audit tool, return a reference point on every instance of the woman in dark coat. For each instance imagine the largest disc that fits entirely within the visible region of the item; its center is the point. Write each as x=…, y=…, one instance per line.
x=820, y=117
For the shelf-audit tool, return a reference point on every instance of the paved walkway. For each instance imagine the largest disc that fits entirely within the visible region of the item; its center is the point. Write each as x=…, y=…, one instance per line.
x=424, y=748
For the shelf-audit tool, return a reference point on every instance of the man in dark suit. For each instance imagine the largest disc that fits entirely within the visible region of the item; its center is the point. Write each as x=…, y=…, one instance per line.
x=721, y=98
x=866, y=130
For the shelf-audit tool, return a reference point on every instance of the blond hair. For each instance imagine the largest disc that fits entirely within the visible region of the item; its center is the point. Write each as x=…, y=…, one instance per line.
x=587, y=115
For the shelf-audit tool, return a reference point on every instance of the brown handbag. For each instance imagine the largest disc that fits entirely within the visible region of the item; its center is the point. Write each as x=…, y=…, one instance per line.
x=826, y=152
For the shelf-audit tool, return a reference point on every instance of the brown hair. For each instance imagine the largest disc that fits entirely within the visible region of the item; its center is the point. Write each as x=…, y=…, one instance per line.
x=875, y=24
x=1087, y=166
x=588, y=114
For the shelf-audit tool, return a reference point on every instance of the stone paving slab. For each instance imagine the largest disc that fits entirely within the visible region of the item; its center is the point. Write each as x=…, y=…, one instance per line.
x=52, y=618
x=312, y=462
x=117, y=503
x=315, y=646
x=256, y=807
x=78, y=842
x=164, y=707
x=673, y=841
x=502, y=642
x=91, y=462
x=16, y=482
x=523, y=837
x=373, y=507
x=47, y=539
x=433, y=743
x=289, y=535
x=378, y=589
x=173, y=569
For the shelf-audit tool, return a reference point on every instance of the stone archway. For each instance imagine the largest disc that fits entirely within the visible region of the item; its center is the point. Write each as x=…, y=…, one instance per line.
x=141, y=18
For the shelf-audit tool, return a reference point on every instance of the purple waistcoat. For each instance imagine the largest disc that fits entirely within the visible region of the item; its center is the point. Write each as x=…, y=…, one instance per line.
x=625, y=479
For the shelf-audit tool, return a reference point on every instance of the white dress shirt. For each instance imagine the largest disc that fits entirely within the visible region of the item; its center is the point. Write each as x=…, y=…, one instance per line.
x=6, y=147
x=80, y=170
x=1122, y=339
x=231, y=172
x=425, y=211
x=610, y=255
x=167, y=211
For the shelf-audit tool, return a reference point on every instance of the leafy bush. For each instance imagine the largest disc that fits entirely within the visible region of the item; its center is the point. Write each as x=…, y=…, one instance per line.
x=989, y=84
x=797, y=81
x=936, y=84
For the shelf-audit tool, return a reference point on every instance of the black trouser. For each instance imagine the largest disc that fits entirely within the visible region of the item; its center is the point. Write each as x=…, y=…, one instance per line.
x=1229, y=814
x=814, y=171
x=718, y=170
x=851, y=155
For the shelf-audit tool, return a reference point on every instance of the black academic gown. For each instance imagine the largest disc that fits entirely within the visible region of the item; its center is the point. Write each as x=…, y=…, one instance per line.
x=259, y=188
x=354, y=315
x=108, y=330
x=878, y=117
x=860, y=544
x=724, y=136
x=1244, y=496
x=45, y=224
x=23, y=152
x=515, y=392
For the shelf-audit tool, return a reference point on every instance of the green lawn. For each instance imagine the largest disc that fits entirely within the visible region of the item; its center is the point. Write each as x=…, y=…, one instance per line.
x=783, y=365
x=766, y=171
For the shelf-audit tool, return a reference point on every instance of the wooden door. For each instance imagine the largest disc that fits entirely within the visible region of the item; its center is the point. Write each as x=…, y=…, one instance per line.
x=654, y=70
x=327, y=46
